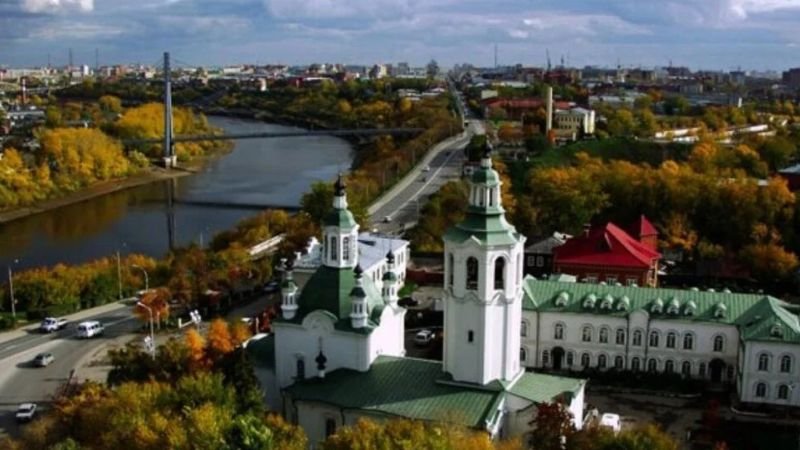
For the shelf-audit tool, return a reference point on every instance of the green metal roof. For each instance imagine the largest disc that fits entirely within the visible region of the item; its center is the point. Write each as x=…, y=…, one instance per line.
x=542, y=388
x=489, y=227
x=329, y=289
x=754, y=314
x=262, y=351
x=405, y=387
x=341, y=218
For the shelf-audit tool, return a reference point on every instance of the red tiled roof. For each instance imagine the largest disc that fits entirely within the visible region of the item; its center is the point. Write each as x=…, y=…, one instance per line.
x=642, y=227
x=606, y=246
x=519, y=103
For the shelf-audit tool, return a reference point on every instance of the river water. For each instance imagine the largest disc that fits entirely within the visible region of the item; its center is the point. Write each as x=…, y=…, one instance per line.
x=259, y=171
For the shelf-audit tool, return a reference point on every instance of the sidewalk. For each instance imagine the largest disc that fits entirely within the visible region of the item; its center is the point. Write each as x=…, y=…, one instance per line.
x=74, y=317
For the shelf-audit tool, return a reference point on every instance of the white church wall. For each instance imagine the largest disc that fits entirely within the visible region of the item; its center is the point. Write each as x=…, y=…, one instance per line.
x=773, y=375
x=388, y=338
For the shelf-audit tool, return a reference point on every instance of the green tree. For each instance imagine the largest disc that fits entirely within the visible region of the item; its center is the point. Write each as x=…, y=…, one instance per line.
x=318, y=202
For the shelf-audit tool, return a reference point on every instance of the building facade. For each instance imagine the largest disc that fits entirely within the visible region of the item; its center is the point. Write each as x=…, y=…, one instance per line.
x=748, y=341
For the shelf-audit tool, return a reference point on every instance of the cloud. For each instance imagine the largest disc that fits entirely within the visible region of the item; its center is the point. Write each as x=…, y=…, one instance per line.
x=56, y=6
x=58, y=31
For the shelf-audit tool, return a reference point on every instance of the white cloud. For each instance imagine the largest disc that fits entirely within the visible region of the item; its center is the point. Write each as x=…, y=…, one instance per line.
x=55, y=6
x=722, y=13
x=59, y=31
x=360, y=9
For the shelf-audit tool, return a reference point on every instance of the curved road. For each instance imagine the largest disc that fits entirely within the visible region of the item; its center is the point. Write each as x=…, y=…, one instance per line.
x=21, y=382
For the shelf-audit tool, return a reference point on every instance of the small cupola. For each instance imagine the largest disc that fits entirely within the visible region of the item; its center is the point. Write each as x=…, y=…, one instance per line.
x=321, y=360
x=358, y=311
x=389, y=288
x=288, y=290
x=485, y=184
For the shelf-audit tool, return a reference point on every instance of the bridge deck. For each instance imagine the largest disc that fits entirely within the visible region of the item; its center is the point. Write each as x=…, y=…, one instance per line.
x=283, y=134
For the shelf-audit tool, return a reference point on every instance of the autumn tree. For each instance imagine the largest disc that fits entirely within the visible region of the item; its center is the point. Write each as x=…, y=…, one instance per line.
x=157, y=300
x=552, y=427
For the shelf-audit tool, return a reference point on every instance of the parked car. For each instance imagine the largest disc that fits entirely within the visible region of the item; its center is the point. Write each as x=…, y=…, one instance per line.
x=387, y=219
x=426, y=169
x=611, y=421
x=90, y=329
x=271, y=287
x=51, y=324
x=43, y=359
x=407, y=301
x=26, y=412
x=424, y=337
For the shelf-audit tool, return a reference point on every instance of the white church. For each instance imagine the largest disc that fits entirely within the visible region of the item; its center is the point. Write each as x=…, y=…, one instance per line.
x=337, y=351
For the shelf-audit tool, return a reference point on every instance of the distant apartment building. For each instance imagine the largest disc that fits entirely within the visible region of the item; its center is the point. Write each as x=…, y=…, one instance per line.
x=574, y=122
x=791, y=77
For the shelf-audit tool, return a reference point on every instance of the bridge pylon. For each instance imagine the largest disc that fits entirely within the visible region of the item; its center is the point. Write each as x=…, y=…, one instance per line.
x=170, y=159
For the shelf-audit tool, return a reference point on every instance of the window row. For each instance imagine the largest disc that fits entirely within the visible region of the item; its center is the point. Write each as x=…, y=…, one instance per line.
x=332, y=250
x=765, y=363
x=687, y=341
x=473, y=272
x=761, y=390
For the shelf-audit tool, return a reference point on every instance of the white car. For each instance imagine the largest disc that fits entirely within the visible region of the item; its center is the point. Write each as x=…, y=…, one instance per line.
x=90, y=329
x=25, y=412
x=611, y=421
x=43, y=359
x=51, y=324
x=424, y=337
x=426, y=169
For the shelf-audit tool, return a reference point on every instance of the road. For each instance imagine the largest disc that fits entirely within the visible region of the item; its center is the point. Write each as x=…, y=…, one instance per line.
x=401, y=210
x=21, y=382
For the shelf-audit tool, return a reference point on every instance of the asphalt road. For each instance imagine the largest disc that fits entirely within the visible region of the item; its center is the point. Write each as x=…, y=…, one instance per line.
x=21, y=382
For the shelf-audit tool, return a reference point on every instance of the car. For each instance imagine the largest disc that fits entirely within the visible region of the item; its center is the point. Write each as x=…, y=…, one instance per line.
x=51, y=324
x=424, y=337
x=26, y=412
x=611, y=420
x=387, y=219
x=271, y=287
x=90, y=329
x=43, y=359
x=426, y=169
x=407, y=301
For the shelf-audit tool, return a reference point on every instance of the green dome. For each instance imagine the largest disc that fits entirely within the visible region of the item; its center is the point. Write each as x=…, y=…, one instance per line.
x=389, y=276
x=486, y=176
x=341, y=218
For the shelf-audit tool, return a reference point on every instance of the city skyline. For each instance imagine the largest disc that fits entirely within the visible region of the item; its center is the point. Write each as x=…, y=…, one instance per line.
x=717, y=34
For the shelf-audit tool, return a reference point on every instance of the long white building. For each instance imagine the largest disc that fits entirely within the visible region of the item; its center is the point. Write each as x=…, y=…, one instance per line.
x=750, y=341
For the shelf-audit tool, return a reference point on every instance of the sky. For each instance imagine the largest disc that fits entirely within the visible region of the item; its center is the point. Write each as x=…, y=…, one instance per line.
x=702, y=34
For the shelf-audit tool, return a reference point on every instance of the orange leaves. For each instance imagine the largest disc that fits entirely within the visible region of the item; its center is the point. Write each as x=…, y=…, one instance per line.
x=219, y=338
x=158, y=302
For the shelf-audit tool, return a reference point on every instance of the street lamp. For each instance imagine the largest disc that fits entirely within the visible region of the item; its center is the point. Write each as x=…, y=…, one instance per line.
x=11, y=292
x=146, y=280
x=119, y=274
x=152, y=342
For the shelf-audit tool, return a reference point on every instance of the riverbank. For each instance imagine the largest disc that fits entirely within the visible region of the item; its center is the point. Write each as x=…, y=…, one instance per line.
x=103, y=188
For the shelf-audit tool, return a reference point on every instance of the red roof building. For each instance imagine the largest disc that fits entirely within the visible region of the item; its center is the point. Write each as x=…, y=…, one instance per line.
x=611, y=255
x=644, y=231
x=515, y=108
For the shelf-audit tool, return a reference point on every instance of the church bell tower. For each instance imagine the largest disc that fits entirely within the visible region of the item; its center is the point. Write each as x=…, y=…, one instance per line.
x=483, y=287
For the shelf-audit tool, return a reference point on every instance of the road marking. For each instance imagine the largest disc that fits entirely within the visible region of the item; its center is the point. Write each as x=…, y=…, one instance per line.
x=435, y=174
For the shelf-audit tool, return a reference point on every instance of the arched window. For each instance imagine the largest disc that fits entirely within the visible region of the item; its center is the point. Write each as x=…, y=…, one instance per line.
x=688, y=341
x=470, y=336
x=761, y=390
x=686, y=369
x=786, y=364
x=330, y=427
x=523, y=354
x=601, y=361
x=603, y=335
x=635, y=364
x=500, y=273
x=619, y=362
x=558, y=332
x=451, y=265
x=472, y=273
x=637, y=338
x=523, y=328
x=701, y=370
x=763, y=362
x=545, y=358
x=334, y=248
x=586, y=334
x=719, y=343
x=783, y=392
x=669, y=366
x=654, y=339
x=346, y=248
x=652, y=365
x=671, y=337
x=570, y=358
x=325, y=248
x=620, y=336
x=585, y=360
x=301, y=369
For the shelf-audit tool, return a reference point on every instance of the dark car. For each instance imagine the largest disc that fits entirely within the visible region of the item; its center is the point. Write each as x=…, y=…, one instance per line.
x=271, y=287
x=407, y=301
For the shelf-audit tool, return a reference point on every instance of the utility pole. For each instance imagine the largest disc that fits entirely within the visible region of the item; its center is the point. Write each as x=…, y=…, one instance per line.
x=11, y=292
x=169, y=159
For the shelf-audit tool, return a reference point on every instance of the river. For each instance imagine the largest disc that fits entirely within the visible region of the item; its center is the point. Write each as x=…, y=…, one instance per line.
x=259, y=171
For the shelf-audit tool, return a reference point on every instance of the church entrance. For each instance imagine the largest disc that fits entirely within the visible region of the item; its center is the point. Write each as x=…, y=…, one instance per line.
x=716, y=366
x=558, y=358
